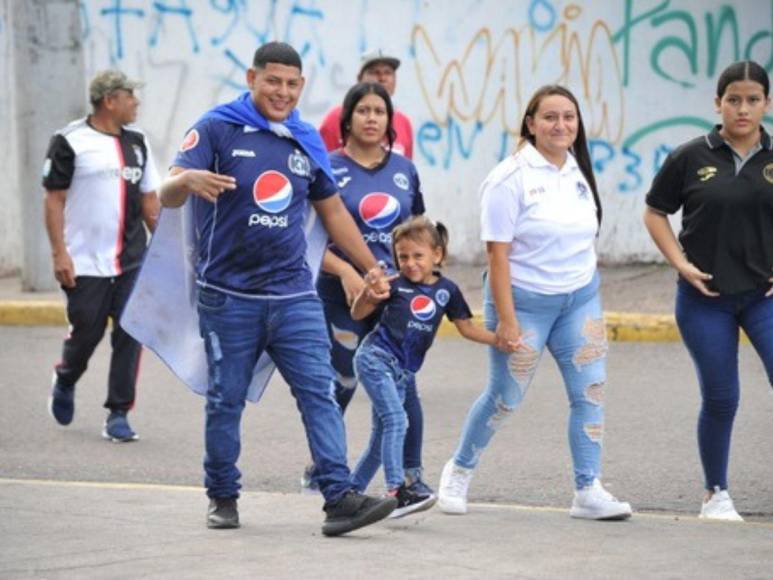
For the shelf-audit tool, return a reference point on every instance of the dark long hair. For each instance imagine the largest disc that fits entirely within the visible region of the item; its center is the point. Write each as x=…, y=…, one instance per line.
x=354, y=96
x=580, y=146
x=745, y=70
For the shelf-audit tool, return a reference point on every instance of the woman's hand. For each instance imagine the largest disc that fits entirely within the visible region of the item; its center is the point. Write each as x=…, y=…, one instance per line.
x=697, y=278
x=377, y=283
x=508, y=336
x=352, y=284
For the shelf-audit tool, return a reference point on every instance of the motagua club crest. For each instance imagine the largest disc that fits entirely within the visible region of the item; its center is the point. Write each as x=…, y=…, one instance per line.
x=299, y=164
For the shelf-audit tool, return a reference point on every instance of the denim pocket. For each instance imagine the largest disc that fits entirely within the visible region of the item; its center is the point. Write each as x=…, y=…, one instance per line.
x=210, y=299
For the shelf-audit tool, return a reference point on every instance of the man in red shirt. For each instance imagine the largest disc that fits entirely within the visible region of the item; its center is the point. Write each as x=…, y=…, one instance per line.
x=376, y=67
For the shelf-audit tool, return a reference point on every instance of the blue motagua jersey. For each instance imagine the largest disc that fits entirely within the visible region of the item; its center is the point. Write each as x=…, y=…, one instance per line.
x=411, y=316
x=251, y=241
x=378, y=198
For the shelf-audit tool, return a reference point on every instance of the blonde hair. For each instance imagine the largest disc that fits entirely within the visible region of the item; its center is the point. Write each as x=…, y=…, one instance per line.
x=421, y=229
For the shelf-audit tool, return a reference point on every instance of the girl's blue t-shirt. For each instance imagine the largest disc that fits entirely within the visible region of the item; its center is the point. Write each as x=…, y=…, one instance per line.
x=411, y=316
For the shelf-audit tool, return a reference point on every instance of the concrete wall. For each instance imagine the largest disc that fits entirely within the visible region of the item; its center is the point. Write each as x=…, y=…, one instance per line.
x=10, y=202
x=644, y=71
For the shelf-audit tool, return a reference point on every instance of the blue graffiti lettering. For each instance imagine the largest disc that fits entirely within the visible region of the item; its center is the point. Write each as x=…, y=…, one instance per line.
x=542, y=15
x=118, y=11
x=163, y=9
x=313, y=14
x=240, y=16
x=632, y=169
x=431, y=132
x=428, y=133
x=601, y=154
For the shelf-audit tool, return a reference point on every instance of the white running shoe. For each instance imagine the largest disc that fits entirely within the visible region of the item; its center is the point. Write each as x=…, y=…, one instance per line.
x=596, y=503
x=720, y=507
x=452, y=492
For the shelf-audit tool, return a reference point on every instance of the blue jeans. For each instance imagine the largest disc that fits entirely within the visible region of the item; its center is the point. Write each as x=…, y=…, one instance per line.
x=386, y=384
x=345, y=335
x=292, y=331
x=710, y=330
x=572, y=327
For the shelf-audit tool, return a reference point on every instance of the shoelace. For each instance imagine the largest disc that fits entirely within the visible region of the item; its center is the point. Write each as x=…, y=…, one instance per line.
x=603, y=492
x=458, y=482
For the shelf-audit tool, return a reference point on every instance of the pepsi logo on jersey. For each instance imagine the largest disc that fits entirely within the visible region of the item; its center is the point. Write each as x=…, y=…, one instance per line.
x=273, y=193
x=379, y=210
x=423, y=308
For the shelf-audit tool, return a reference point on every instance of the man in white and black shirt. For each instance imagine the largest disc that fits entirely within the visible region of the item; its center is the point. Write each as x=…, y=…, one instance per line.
x=100, y=181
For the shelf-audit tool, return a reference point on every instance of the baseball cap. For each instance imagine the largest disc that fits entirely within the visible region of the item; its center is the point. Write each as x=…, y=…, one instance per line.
x=109, y=81
x=377, y=56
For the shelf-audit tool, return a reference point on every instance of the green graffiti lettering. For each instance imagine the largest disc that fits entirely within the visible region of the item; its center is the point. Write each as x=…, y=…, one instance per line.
x=714, y=34
x=637, y=136
x=625, y=32
x=689, y=49
x=749, y=53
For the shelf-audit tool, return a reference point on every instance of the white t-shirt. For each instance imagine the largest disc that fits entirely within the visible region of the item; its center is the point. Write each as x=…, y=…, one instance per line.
x=548, y=215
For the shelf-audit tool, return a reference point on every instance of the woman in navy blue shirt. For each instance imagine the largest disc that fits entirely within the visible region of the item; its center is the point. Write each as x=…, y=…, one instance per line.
x=381, y=189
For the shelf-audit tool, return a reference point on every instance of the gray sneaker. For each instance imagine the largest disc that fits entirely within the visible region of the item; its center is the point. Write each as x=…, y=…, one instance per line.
x=223, y=513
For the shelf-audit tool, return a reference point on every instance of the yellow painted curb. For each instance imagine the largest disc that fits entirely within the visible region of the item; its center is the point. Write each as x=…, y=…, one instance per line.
x=621, y=326
x=632, y=327
x=32, y=313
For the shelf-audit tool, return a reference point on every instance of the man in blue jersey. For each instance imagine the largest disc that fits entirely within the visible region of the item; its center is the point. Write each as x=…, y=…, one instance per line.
x=252, y=167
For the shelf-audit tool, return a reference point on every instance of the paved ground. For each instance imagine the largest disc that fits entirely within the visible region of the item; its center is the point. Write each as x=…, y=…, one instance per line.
x=74, y=506
x=149, y=532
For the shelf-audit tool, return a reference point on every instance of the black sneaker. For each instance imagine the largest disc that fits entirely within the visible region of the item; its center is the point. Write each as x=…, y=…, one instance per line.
x=411, y=500
x=355, y=510
x=222, y=513
x=420, y=487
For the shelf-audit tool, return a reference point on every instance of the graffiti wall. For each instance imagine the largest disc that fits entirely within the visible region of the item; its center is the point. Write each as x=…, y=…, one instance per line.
x=643, y=70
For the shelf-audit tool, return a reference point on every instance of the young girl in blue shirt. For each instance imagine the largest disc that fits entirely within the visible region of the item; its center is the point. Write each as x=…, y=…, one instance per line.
x=388, y=358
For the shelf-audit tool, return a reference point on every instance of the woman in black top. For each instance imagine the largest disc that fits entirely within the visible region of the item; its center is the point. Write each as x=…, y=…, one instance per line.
x=723, y=182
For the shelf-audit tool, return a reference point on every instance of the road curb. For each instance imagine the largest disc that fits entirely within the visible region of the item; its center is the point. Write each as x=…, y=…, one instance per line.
x=621, y=326
x=32, y=313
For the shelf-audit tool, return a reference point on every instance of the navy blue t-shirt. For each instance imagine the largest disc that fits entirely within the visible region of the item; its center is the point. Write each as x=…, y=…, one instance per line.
x=411, y=316
x=251, y=241
x=378, y=198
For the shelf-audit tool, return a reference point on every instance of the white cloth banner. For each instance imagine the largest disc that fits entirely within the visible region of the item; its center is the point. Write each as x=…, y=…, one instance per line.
x=161, y=311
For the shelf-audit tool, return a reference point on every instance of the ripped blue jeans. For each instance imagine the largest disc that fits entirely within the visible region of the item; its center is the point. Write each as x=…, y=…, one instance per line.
x=292, y=331
x=572, y=327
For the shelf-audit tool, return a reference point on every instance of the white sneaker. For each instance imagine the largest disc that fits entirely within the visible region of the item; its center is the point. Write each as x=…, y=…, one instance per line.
x=452, y=492
x=596, y=503
x=720, y=507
